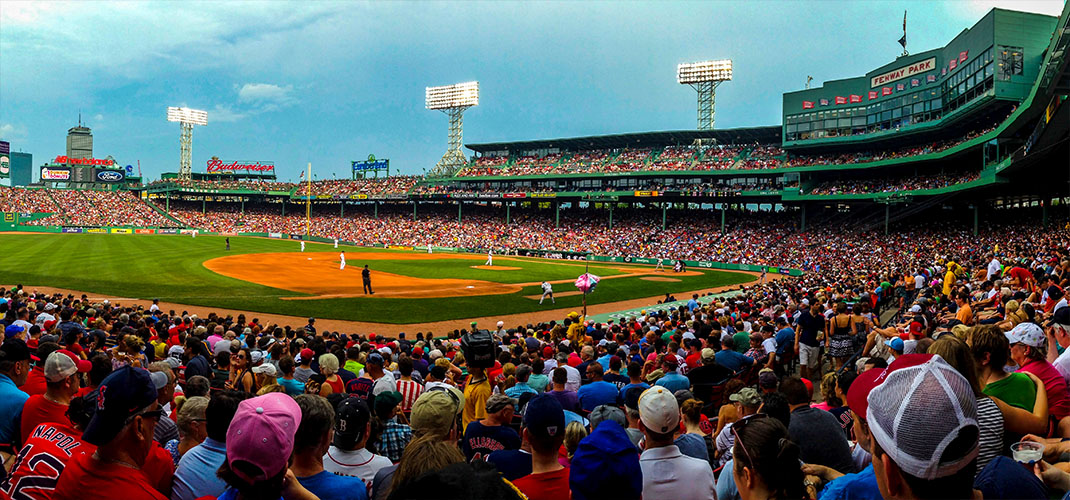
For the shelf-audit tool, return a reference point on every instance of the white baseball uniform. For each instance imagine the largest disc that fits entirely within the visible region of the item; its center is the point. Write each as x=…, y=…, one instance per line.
x=343, y=257
x=302, y=246
x=547, y=289
x=428, y=248
x=336, y=244
x=490, y=259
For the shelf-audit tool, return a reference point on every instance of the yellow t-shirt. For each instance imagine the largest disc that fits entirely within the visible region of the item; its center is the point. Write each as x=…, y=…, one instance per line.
x=949, y=280
x=475, y=400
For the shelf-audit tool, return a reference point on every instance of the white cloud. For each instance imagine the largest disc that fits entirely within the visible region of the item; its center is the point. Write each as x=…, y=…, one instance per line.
x=11, y=133
x=266, y=94
x=98, y=118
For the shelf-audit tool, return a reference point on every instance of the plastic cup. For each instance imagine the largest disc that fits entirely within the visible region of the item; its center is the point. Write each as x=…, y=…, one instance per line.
x=1027, y=452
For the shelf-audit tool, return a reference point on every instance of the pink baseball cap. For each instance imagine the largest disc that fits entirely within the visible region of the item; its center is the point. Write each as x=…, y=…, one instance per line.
x=262, y=434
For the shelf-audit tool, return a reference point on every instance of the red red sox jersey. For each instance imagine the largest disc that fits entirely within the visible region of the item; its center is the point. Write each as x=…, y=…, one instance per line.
x=38, y=465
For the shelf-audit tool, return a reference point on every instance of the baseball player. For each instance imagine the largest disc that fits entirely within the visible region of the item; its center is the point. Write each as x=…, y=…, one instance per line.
x=336, y=245
x=428, y=248
x=228, y=243
x=659, y=267
x=194, y=233
x=342, y=256
x=547, y=289
x=490, y=258
x=302, y=245
x=762, y=279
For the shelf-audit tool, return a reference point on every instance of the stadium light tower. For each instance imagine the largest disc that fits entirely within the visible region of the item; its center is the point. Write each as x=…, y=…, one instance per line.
x=188, y=118
x=704, y=77
x=452, y=100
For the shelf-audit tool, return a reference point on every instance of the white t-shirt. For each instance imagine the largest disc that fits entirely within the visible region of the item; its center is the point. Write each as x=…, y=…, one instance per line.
x=993, y=269
x=769, y=345
x=573, y=382
x=919, y=282
x=385, y=383
x=1062, y=364
x=43, y=317
x=357, y=463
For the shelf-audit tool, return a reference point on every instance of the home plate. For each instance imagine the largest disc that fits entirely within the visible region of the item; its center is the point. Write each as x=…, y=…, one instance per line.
x=469, y=286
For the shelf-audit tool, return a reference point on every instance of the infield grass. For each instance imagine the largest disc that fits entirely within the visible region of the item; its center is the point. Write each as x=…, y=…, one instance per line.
x=170, y=268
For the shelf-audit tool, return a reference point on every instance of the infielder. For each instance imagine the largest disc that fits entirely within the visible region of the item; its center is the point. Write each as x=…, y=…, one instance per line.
x=547, y=289
x=194, y=233
x=428, y=248
x=343, y=257
x=336, y=245
x=490, y=258
x=302, y=245
x=659, y=267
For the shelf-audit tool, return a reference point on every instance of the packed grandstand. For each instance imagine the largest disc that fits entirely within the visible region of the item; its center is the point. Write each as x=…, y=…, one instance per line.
x=921, y=352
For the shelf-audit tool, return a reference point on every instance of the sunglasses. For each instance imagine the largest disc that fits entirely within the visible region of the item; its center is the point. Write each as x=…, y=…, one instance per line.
x=740, y=424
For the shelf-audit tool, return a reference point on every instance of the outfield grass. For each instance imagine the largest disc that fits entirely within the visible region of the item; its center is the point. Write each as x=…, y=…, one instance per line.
x=170, y=268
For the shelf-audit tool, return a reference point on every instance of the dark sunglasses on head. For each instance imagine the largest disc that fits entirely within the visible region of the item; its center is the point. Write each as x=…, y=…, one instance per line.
x=739, y=425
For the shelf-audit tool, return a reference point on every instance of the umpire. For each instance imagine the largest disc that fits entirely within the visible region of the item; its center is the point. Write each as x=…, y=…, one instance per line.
x=366, y=276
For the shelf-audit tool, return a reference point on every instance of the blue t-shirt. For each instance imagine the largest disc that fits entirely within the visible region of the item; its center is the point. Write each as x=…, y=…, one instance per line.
x=330, y=485
x=195, y=475
x=292, y=386
x=693, y=445
x=512, y=464
x=519, y=389
x=733, y=360
x=858, y=485
x=598, y=393
x=482, y=440
x=673, y=382
x=568, y=399
x=11, y=400
x=785, y=339
x=624, y=390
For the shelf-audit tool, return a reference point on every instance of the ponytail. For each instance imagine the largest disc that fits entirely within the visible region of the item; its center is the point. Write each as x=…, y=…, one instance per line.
x=771, y=456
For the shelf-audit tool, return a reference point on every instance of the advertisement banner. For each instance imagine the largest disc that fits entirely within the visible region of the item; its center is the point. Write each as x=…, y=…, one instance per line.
x=144, y=231
x=72, y=230
x=295, y=236
x=167, y=231
x=96, y=230
x=514, y=195
x=228, y=234
x=886, y=91
x=370, y=165
x=872, y=94
x=186, y=231
x=275, y=235
x=55, y=174
x=215, y=166
x=646, y=193
x=120, y=230
x=82, y=161
x=963, y=55
x=855, y=98
x=904, y=72
x=399, y=247
x=358, y=197
x=808, y=104
x=5, y=165
x=105, y=175
x=841, y=99
x=542, y=195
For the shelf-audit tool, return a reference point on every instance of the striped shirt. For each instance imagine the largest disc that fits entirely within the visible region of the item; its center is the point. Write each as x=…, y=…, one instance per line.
x=990, y=423
x=410, y=390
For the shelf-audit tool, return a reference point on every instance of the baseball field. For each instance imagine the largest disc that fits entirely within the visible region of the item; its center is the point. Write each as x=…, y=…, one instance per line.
x=274, y=276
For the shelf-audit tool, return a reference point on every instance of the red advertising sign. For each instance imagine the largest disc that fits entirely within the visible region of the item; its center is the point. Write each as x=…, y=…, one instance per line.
x=856, y=98
x=963, y=55
x=872, y=94
x=514, y=195
x=808, y=104
x=82, y=161
x=216, y=166
x=144, y=231
x=886, y=91
x=841, y=99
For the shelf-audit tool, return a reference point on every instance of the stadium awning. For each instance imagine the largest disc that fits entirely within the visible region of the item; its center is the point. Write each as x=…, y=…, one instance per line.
x=750, y=135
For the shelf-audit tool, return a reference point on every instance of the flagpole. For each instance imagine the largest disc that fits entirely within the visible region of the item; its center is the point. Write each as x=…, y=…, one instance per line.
x=586, y=268
x=308, y=202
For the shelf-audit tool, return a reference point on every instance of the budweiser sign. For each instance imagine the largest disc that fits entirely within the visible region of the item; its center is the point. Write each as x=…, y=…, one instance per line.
x=217, y=165
x=82, y=161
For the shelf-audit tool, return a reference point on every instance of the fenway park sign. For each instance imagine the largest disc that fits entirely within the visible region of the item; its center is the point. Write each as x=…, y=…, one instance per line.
x=218, y=166
x=904, y=72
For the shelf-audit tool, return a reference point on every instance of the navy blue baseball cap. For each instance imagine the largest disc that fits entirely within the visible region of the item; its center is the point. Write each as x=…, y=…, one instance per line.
x=544, y=416
x=606, y=465
x=375, y=358
x=122, y=394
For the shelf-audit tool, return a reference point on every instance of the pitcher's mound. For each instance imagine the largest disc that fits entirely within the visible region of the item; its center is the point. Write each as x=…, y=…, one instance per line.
x=496, y=268
x=659, y=278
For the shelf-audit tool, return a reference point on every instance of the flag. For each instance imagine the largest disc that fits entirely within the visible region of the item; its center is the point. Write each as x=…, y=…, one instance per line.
x=302, y=177
x=824, y=102
x=903, y=40
x=886, y=91
x=872, y=94
x=808, y=104
x=855, y=98
x=841, y=99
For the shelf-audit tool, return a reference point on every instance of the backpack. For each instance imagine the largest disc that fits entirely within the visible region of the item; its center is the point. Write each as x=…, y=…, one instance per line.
x=478, y=349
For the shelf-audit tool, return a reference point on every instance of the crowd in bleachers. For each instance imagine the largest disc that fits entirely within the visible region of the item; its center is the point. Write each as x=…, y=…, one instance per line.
x=27, y=201
x=861, y=186
x=883, y=154
x=395, y=184
x=224, y=183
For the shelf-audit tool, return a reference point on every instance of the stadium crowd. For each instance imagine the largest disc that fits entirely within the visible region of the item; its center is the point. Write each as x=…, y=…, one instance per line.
x=863, y=186
x=82, y=207
x=224, y=183
x=791, y=388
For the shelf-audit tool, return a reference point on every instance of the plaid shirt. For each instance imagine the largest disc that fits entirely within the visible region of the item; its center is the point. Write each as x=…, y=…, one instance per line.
x=393, y=440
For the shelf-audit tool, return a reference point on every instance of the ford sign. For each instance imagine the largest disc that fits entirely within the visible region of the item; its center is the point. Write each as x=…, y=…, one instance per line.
x=110, y=175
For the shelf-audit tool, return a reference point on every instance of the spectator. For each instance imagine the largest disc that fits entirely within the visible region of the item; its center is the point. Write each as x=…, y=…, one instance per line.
x=766, y=463
x=62, y=372
x=410, y=389
x=523, y=375
x=694, y=443
x=729, y=358
x=287, y=380
x=395, y=435
x=598, y=391
x=195, y=476
x=667, y=473
x=492, y=433
x=568, y=399
x=544, y=430
x=191, y=426
x=434, y=419
x=348, y=455
x=122, y=430
x=672, y=380
x=47, y=451
x=166, y=429
x=1028, y=350
x=14, y=368
x=313, y=437
x=819, y=434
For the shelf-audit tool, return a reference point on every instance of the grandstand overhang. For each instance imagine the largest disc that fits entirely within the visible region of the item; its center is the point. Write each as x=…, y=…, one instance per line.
x=745, y=135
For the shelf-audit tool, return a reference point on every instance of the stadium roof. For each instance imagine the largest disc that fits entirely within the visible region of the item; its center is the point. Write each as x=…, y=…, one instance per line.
x=750, y=135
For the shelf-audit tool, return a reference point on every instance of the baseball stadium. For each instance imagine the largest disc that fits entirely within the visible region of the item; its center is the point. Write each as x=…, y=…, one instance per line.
x=908, y=211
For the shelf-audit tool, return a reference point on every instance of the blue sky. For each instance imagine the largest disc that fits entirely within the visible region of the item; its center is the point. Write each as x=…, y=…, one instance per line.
x=330, y=82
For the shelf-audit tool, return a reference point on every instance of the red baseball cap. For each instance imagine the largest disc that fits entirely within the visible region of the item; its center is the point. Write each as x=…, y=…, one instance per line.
x=306, y=354
x=547, y=351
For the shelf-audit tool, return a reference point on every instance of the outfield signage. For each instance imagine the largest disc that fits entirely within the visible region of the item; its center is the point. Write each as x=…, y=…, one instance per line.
x=275, y=235
x=104, y=175
x=96, y=230
x=72, y=230
x=217, y=166
x=167, y=231
x=144, y=231
x=904, y=72
x=371, y=165
x=82, y=161
x=120, y=230
x=55, y=174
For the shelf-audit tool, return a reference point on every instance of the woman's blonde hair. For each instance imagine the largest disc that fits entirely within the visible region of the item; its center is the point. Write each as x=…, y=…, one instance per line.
x=424, y=454
x=328, y=364
x=574, y=433
x=828, y=389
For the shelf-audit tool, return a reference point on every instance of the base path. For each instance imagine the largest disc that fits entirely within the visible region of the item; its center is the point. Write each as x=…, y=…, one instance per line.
x=390, y=330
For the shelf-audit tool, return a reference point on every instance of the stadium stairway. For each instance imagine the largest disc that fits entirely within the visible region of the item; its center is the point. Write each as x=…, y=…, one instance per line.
x=163, y=212
x=59, y=208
